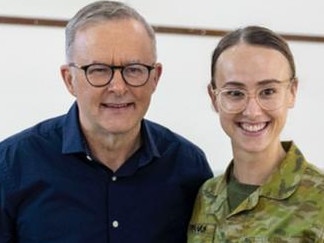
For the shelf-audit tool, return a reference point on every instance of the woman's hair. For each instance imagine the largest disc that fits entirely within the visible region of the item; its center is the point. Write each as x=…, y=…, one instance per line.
x=252, y=35
x=101, y=11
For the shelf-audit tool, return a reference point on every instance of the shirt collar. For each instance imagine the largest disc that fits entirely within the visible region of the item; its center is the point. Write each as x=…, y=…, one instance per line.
x=74, y=142
x=149, y=144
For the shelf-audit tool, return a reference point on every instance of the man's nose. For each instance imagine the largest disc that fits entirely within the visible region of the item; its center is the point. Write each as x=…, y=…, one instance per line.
x=117, y=82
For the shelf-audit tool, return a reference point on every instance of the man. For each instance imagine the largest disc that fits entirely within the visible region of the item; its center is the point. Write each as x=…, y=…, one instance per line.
x=101, y=173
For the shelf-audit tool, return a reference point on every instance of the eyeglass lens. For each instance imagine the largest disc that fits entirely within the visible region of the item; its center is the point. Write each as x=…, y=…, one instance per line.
x=134, y=74
x=270, y=97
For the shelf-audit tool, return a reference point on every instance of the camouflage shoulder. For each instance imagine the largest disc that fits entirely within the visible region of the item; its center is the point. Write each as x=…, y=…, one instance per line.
x=315, y=175
x=213, y=185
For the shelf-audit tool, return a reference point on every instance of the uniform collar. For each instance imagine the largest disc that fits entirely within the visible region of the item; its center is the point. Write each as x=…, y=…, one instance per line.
x=284, y=182
x=279, y=186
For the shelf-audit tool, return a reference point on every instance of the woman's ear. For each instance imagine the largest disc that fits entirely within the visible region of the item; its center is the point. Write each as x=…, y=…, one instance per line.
x=212, y=95
x=293, y=92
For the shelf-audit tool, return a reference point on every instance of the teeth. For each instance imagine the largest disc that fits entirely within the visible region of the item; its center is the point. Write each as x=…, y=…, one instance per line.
x=253, y=127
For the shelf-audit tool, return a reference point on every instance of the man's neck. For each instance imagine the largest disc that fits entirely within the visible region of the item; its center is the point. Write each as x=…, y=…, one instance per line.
x=113, y=150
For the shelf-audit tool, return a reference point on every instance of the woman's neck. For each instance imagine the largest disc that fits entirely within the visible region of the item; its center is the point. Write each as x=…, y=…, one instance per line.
x=255, y=168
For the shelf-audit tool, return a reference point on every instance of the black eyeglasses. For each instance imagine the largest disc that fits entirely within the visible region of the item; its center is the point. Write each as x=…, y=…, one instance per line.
x=99, y=75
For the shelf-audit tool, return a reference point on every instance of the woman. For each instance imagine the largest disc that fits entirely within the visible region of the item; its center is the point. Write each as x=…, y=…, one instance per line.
x=269, y=192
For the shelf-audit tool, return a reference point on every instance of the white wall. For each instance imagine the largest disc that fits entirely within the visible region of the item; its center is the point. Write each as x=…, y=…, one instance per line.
x=32, y=90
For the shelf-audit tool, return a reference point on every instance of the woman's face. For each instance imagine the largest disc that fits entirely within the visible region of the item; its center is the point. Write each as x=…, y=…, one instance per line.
x=254, y=69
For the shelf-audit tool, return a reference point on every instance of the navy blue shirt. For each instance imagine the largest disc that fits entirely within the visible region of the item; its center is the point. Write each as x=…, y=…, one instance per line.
x=51, y=190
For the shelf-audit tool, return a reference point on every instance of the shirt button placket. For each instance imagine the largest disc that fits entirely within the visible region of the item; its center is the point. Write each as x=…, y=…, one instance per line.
x=114, y=223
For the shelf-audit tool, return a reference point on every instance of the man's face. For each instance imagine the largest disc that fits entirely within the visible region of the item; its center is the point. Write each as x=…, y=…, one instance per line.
x=117, y=107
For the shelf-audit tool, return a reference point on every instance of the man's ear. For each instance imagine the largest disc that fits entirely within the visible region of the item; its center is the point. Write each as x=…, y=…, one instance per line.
x=68, y=79
x=212, y=96
x=157, y=74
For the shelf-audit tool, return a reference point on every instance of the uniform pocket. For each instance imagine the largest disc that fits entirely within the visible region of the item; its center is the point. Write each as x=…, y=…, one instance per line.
x=201, y=233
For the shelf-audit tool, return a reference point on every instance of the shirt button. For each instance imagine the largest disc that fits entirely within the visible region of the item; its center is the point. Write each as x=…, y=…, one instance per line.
x=115, y=223
x=89, y=158
x=114, y=178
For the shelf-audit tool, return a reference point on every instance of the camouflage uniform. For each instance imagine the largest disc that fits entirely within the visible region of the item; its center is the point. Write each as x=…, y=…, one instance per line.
x=289, y=207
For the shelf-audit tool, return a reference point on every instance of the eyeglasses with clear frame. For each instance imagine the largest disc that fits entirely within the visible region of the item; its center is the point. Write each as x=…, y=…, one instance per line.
x=269, y=96
x=100, y=75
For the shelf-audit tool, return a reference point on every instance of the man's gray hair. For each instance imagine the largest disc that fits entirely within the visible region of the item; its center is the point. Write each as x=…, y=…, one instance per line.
x=100, y=11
